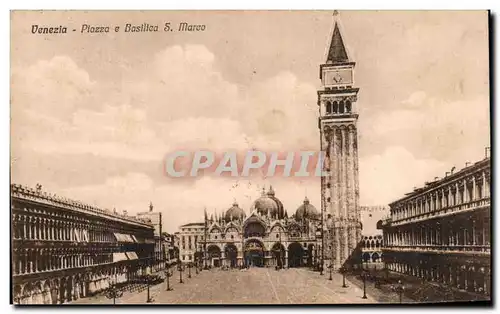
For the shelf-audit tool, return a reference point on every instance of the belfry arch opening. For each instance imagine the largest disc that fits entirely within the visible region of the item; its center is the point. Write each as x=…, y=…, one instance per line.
x=335, y=107
x=341, y=107
x=328, y=107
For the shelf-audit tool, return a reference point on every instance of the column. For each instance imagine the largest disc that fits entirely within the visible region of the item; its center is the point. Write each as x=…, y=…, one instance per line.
x=343, y=199
x=351, y=189
x=474, y=188
x=466, y=192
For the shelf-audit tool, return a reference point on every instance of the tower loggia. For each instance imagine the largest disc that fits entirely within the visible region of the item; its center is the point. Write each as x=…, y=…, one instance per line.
x=339, y=140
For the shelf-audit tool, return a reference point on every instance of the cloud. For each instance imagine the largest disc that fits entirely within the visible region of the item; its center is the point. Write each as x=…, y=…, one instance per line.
x=388, y=176
x=134, y=191
x=179, y=99
x=427, y=126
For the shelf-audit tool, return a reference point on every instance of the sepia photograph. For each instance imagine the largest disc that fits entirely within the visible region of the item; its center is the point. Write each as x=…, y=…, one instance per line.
x=327, y=157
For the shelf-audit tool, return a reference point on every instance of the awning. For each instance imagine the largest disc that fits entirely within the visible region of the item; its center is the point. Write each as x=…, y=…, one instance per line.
x=128, y=238
x=134, y=238
x=118, y=257
x=139, y=239
x=120, y=237
x=132, y=255
x=150, y=241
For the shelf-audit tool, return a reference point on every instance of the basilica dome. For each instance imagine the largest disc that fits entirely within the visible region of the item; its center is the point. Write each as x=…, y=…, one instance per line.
x=234, y=213
x=306, y=210
x=269, y=204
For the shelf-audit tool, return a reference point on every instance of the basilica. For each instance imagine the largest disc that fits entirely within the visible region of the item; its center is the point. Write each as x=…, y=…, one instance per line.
x=266, y=236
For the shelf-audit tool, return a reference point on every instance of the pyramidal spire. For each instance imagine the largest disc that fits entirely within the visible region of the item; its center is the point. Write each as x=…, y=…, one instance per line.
x=337, y=50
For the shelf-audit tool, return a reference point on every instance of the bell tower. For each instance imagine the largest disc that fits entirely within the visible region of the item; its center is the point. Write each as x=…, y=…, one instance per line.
x=339, y=140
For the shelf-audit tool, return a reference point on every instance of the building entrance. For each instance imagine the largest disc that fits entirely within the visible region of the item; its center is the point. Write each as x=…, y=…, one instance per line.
x=254, y=254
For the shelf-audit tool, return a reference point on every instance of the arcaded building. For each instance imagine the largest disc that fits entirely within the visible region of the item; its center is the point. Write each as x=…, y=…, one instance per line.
x=63, y=250
x=441, y=231
x=262, y=236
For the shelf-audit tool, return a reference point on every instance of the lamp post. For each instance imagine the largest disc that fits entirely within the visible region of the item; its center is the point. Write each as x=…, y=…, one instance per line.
x=169, y=274
x=113, y=293
x=399, y=288
x=363, y=274
x=180, y=272
x=149, y=279
x=343, y=270
x=189, y=270
x=242, y=248
x=331, y=270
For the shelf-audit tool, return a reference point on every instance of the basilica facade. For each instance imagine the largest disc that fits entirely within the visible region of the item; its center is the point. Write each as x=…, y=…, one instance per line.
x=265, y=236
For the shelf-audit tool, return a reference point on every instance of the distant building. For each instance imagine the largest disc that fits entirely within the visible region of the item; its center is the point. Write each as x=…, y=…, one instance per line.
x=63, y=250
x=264, y=237
x=170, y=248
x=441, y=231
x=190, y=236
x=372, y=240
x=155, y=218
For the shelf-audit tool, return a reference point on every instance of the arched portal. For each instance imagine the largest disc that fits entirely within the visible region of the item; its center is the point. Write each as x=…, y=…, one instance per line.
x=27, y=294
x=214, y=255
x=255, y=229
x=69, y=289
x=46, y=293
x=18, y=294
x=254, y=253
x=278, y=251
x=366, y=257
x=231, y=255
x=310, y=255
x=375, y=257
x=295, y=255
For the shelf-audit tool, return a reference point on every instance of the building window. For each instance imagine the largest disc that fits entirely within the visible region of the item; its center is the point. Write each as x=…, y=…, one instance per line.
x=232, y=236
x=277, y=236
x=215, y=237
x=183, y=257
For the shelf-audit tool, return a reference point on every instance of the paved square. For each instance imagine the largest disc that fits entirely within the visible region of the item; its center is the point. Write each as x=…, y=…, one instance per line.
x=253, y=286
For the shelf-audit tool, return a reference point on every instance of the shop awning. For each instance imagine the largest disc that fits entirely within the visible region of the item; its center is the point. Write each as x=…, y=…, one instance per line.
x=139, y=239
x=118, y=257
x=120, y=237
x=132, y=255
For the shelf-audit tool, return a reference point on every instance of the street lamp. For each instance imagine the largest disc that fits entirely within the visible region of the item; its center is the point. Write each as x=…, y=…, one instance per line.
x=149, y=279
x=113, y=293
x=180, y=272
x=399, y=288
x=331, y=270
x=343, y=271
x=189, y=268
x=363, y=274
x=169, y=274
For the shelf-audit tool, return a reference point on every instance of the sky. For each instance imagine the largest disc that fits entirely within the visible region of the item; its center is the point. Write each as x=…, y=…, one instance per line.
x=93, y=115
